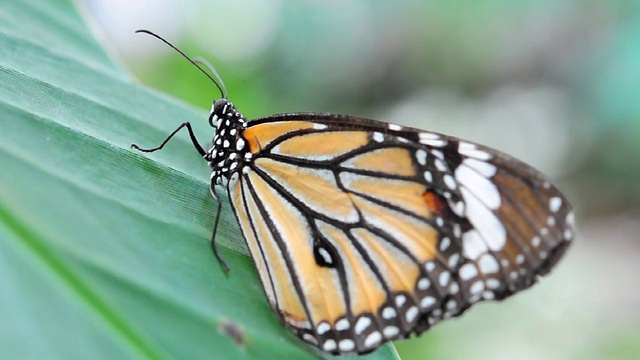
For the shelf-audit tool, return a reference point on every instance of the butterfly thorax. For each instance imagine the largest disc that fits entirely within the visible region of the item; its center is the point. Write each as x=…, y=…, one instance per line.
x=229, y=151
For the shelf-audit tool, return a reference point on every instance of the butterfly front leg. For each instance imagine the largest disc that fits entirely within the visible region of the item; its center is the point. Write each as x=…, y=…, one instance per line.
x=201, y=151
x=191, y=135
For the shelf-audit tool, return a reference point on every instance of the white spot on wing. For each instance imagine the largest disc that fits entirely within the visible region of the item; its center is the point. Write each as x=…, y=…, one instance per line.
x=395, y=127
x=325, y=255
x=390, y=331
x=329, y=345
x=309, y=338
x=458, y=209
x=428, y=176
x=535, y=242
x=424, y=284
x=440, y=165
x=430, y=266
x=484, y=168
x=449, y=181
x=431, y=139
x=453, y=260
x=472, y=245
x=454, y=288
x=323, y=327
x=568, y=234
x=445, y=276
x=493, y=283
x=571, y=218
x=372, y=339
x=342, y=324
x=427, y=301
x=468, y=272
x=477, y=287
x=485, y=222
x=411, y=314
x=362, y=324
x=555, y=203
x=388, y=313
x=471, y=150
x=488, y=264
x=479, y=185
x=434, y=143
x=445, y=242
x=347, y=345
x=421, y=156
x=428, y=136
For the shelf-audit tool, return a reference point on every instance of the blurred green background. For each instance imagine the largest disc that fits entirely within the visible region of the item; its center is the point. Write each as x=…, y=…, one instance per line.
x=553, y=82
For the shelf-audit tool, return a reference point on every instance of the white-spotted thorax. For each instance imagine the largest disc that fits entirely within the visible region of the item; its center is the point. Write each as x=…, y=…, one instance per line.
x=229, y=151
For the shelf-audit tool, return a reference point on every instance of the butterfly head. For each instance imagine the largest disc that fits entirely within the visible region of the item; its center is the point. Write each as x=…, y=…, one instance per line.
x=228, y=152
x=220, y=109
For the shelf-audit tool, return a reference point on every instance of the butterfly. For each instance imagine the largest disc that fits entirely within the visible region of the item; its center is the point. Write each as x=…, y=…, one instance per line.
x=364, y=232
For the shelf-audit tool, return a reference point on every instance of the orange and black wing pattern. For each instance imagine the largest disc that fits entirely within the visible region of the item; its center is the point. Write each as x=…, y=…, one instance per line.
x=365, y=232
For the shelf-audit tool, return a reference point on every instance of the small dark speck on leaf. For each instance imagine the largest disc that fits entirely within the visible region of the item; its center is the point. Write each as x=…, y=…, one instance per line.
x=232, y=330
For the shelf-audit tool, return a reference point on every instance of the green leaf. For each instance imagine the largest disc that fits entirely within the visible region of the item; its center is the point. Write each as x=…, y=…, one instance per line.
x=104, y=252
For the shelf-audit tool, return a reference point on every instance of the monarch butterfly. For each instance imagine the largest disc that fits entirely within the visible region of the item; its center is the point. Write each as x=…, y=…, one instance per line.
x=364, y=232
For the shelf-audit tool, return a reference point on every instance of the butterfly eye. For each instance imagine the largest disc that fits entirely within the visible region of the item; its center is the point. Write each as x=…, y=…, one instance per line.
x=219, y=109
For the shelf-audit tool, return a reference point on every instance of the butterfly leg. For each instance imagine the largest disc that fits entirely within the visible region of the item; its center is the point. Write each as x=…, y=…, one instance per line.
x=215, y=229
x=191, y=134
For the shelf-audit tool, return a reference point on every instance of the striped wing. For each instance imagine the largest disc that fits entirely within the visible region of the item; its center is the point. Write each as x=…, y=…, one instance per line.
x=364, y=232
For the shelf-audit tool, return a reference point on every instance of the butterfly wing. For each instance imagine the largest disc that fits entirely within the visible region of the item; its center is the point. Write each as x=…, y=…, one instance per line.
x=364, y=232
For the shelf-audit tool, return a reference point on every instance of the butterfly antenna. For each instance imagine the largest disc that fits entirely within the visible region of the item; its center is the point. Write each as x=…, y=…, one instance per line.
x=222, y=92
x=203, y=61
